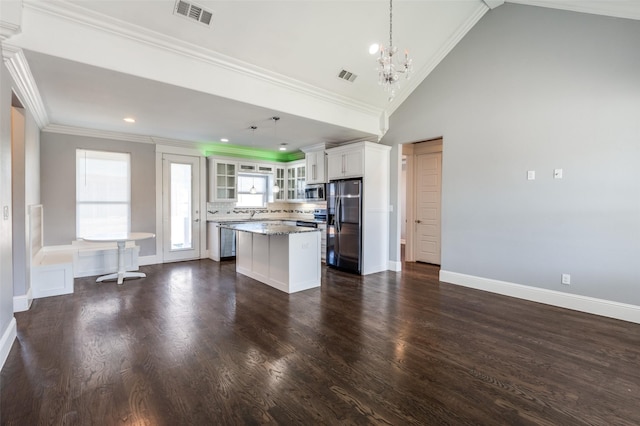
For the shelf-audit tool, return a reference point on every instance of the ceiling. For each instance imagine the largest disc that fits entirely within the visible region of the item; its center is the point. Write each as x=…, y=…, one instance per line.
x=88, y=64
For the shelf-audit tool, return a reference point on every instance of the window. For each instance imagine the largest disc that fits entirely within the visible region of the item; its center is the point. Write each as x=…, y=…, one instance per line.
x=247, y=181
x=103, y=192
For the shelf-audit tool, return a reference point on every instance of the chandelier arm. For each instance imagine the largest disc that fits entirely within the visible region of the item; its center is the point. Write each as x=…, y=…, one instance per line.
x=390, y=23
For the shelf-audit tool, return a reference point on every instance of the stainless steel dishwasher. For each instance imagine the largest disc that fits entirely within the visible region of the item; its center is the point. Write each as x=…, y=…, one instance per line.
x=227, y=243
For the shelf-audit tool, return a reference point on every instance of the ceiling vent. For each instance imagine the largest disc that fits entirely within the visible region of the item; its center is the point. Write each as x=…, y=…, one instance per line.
x=192, y=11
x=347, y=75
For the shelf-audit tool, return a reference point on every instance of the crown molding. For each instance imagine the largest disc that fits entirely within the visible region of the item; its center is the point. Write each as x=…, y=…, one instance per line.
x=28, y=92
x=437, y=58
x=204, y=148
x=126, y=30
x=492, y=4
x=10, y=19
x=94, y=133
x=8, y=30
x=605, y=8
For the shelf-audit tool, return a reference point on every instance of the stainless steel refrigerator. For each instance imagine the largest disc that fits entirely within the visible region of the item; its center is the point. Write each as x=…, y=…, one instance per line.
x=344, y=224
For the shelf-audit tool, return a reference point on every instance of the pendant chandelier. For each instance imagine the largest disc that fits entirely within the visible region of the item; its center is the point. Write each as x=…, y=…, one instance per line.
x=276, y=188
x=253, y=189
x=389, y=65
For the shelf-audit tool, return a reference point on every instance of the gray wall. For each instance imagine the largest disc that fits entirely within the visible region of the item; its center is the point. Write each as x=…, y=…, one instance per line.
x=58, y=185
x=537, y=89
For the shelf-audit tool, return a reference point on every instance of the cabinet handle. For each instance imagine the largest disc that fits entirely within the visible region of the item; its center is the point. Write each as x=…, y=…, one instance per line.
x=418, y=221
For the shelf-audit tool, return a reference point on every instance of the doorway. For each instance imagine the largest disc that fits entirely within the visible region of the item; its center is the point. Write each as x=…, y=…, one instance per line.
x=423, y=201
x=180, y=207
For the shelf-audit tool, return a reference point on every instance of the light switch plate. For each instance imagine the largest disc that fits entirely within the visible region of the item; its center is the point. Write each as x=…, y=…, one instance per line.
x=557, y=173
x=531, y=174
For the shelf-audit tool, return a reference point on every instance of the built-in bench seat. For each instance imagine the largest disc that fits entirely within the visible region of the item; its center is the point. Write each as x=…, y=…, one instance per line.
x=51, y=273
x=51, y=270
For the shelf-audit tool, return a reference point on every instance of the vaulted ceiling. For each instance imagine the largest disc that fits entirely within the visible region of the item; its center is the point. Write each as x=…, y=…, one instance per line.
x=85, y=65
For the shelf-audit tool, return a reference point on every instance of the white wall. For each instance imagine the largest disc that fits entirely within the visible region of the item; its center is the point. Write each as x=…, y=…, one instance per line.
x=7, y=322
x=538, y=89
x=25, y=140
x=19, y=211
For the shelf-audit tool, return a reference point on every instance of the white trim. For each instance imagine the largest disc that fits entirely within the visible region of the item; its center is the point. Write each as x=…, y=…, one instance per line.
x=94, y=133
x=492, y=4
x=591, y=305
x=18, y=67
x=8, y=337
x=23, y=303
x=395, y=266
x=615, y=9
x=437, y=58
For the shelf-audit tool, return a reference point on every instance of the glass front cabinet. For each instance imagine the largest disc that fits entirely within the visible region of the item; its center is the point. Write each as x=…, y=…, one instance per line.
x=296, y=180
x=226, y=180
x=279, y=181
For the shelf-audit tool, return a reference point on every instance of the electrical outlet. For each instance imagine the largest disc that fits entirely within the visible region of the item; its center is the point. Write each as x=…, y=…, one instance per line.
x=566, y=279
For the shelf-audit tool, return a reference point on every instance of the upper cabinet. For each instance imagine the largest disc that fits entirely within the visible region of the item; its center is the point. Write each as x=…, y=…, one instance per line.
x=279, y=182
x=255, y=167
x=345, y=162
x=296, y=180
x=223, y=180
x=316, y=165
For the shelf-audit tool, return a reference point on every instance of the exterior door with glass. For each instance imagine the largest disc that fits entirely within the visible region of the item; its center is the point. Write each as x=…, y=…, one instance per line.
x=180, y=207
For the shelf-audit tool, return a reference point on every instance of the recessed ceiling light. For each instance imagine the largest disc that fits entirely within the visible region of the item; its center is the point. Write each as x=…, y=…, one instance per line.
x=283, y=147
x=224, y=140
x=374, y=48
x=130, y=120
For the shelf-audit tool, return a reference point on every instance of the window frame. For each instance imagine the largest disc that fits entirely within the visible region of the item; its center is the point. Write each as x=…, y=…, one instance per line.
x=94, y=154
x=265, y=195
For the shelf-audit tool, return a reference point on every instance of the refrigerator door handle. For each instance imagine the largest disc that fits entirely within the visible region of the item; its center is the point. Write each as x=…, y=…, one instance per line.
x=338, y=202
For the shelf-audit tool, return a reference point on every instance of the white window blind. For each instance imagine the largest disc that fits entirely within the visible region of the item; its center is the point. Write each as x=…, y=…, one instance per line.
x=103, y=192
x=245, y=183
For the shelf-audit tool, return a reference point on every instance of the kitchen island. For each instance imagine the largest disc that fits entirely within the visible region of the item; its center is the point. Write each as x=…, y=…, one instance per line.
x=282, y=256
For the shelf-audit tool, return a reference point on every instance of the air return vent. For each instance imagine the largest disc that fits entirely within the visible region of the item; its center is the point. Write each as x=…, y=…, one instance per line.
x=192, y=11
x=347, y=75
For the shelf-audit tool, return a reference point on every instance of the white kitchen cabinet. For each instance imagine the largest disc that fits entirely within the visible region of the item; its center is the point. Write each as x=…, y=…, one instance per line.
x=316, y=165
x=223, y=180
x=247, y=167
x=289, y=262
x=213, y=241
x=296, y=180
x=370, y=161
x=279, y=181
x=345, y=162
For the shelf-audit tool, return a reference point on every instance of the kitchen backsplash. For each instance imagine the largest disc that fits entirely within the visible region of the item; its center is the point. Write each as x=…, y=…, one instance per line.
x=225, y=211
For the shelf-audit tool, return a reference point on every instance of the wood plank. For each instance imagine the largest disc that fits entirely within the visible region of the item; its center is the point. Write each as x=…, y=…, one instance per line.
x=197, y=343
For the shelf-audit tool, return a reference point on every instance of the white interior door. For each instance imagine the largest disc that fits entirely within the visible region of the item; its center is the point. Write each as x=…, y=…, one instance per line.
x=180, y=207
x=428, y=174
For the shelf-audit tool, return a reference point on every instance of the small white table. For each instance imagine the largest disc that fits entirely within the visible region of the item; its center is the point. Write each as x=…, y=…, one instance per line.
x=120, y=239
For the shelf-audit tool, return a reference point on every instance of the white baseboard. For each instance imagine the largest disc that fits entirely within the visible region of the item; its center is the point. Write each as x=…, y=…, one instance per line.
x=148, y=260
x=22, y=303
x=395, y=266
x=8, y=337
x=591, y=305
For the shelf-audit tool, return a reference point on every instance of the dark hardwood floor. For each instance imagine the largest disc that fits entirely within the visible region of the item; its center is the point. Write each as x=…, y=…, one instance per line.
x=196, y=344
